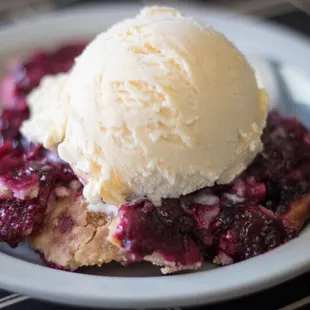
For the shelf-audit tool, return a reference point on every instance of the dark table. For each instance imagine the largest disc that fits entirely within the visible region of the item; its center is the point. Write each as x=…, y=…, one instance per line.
x=294, y=294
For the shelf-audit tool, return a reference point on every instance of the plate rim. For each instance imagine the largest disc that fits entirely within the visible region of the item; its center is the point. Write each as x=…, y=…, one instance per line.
x=175, y=290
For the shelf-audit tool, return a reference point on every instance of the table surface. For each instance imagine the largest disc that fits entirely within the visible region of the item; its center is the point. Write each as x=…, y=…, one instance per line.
x=294, y=294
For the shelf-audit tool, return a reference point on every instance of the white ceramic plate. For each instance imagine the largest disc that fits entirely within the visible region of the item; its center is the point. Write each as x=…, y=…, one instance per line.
x=142, y=285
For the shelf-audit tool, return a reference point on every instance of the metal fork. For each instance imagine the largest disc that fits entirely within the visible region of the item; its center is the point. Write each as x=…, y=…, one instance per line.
x=12, y=299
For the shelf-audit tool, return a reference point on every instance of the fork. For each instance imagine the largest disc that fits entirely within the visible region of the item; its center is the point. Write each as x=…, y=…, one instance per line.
x=14, y=299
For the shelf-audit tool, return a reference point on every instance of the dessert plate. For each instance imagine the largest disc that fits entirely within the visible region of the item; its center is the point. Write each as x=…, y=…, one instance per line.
x=140, y=285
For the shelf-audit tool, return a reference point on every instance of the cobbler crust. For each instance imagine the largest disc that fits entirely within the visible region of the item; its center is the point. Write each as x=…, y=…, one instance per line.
x=72, y=237
x=170, y=267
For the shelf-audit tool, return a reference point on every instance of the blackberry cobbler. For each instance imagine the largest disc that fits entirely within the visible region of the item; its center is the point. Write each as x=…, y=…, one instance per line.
x=42, y=202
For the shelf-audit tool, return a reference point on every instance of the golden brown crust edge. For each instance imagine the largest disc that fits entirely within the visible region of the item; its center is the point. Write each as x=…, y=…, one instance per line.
x=72, y=237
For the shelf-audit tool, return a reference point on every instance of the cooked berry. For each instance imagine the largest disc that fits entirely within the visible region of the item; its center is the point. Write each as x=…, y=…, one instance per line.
x=145, y=229
x=28, y=173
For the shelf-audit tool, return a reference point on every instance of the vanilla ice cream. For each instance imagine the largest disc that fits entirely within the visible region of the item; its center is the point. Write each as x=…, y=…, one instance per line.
x=156, y=106
x=48, y=106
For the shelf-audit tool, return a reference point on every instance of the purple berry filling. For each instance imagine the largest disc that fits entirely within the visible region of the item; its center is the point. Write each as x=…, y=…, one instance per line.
x=145, y=229
x=28, y=173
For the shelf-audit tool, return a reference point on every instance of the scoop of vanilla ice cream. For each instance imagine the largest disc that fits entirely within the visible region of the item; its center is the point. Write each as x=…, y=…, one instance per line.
x=159, y=106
